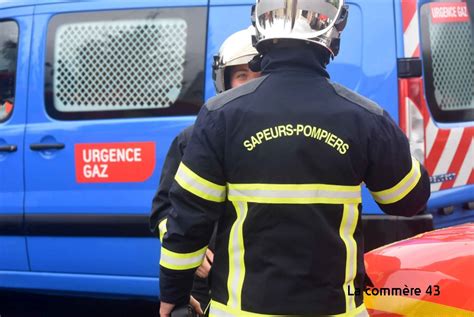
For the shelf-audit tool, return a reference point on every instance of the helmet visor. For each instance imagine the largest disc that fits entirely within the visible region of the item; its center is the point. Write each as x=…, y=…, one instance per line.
x=296, y=18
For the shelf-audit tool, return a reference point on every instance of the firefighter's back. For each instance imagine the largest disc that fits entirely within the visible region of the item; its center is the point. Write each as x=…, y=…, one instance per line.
x=295, y=160
x=279, y=163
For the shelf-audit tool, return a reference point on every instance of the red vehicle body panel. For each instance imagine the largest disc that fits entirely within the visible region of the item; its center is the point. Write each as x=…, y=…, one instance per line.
x=441, y=259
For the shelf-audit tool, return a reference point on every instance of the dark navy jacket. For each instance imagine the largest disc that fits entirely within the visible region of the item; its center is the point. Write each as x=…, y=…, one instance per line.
x=279, y=163
x=161, y=205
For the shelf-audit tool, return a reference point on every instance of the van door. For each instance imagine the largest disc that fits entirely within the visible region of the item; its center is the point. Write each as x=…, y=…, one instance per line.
x=113, y=84
x=15, y=28
x=438, y=107
x=448, y=59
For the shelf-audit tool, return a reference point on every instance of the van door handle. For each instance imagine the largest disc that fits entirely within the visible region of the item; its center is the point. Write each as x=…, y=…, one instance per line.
x=8, y=148
x=46, y=146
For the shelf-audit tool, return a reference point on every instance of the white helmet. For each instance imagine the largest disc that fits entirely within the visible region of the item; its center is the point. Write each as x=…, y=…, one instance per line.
x=237, y=49
x=314, y=21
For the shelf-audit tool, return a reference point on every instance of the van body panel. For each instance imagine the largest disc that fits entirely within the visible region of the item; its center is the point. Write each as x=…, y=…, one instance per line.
x=113, y=256
x=8, y=13
x=28, y=4
x=75, y=6
x=13, y=254
x=89, y=285
x=397, y=7
x=452, y=197
x=232, y=3
x=54, y=191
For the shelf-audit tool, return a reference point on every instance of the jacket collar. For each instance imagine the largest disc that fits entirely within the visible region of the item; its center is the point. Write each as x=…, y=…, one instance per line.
x=299, y=58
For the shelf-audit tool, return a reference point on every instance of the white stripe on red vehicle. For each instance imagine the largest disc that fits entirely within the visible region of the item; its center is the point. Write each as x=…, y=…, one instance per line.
x=463, y=163
x=466, y=172
x=447, y=156
x=411, y=37
x=430, y=131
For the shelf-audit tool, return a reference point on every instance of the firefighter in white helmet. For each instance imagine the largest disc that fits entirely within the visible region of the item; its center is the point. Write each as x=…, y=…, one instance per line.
x=230, y=70
x=279, y=163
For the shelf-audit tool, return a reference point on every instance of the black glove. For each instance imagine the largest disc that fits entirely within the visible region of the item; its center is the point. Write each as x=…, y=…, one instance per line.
x=184, y=311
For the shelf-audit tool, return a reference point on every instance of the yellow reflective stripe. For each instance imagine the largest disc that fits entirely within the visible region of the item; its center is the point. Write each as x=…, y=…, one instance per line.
x=406, y=306
x=220, y=310
x=181, y=261
x=349, y=220
x=236, y=276
x=400, y=190
x=199, y=186
x=162, y=228
x=294, y=193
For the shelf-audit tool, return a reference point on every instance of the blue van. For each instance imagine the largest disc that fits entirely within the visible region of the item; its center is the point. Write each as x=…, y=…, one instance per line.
x=93, y=92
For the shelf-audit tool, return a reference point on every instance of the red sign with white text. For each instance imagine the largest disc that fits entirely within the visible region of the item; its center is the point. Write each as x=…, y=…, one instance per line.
x=449, y=12
x=123, y=162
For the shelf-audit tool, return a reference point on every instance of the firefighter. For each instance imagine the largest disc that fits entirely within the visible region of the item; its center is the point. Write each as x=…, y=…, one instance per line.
x=279, y=163
x=230, y=70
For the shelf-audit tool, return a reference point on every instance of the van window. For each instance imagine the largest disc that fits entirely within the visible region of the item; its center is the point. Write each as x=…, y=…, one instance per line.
x=448, y=59
x=120, y=64
x=8, y=57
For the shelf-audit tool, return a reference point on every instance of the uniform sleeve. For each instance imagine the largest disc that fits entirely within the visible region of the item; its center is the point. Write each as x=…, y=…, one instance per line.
x=197, y=197
x=161, y=204
x=398, y=182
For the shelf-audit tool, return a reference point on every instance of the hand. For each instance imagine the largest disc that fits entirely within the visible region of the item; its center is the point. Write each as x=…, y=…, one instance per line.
x=166, y=309
x=196, y=305
x=205, y=267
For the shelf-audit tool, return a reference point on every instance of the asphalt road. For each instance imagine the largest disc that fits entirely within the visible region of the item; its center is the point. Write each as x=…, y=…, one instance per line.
x=32, y=305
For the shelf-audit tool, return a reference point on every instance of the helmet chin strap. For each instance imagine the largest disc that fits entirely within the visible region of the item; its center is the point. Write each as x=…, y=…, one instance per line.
x=255, y=64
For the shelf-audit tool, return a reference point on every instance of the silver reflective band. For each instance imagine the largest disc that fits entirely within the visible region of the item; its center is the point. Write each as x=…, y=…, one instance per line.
x=403, y=188
x=199, y=186
x=291, y=194
x=294, y=193
x=162, y=228
x=181, y=261
x=346, y=231
x=236, y=256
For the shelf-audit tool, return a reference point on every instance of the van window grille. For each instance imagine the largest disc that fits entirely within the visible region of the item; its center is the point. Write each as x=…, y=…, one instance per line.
x=119, y=65
x=452, y=55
